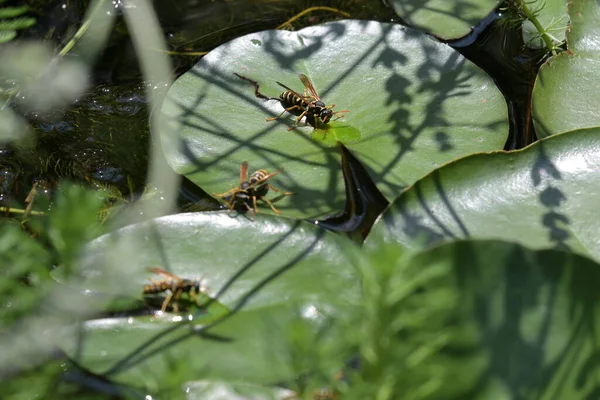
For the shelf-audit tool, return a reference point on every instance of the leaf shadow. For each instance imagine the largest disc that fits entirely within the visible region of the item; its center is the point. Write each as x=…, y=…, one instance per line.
x=544, y=174
x=538, y=345
x=435, y=208
x=187, y=330
x=290, y=55
x=407, y=10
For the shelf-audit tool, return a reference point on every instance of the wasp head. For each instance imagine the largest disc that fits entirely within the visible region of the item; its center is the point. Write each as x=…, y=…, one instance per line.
x=325, y=115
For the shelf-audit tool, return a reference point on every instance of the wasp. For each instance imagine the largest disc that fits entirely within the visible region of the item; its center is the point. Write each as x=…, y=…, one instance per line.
x=251, y=190
x=307, y=105
x=175, y=285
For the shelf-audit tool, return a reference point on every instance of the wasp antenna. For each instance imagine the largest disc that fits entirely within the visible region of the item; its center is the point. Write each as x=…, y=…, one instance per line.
x=257, y=92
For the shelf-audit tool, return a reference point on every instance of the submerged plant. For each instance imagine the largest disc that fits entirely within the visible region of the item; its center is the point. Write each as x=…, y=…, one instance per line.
x=528, y=13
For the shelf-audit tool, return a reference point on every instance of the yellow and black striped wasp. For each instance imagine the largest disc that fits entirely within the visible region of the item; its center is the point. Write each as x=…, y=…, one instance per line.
x=307, y=105
x=251, y=190
x=176, y=287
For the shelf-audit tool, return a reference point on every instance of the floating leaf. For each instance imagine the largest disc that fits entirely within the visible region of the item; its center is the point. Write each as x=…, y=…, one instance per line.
x=542, y=196
x=414, y=104
x=271, y=272
x=447, y=19
x=565, y=95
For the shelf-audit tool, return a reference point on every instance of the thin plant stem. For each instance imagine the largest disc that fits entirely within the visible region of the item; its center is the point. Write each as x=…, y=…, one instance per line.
x=81, y=31
x=546, y=37
x=309, y=10
x=10, y=210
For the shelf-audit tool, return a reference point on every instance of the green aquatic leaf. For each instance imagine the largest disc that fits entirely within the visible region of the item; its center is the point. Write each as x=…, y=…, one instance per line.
x=265, y=275
x=446, y=19
x=414, y=104
x=565, y=95
x=543, y=196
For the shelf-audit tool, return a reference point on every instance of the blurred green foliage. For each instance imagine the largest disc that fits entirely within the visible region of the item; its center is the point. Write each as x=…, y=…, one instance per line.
x=13, y=19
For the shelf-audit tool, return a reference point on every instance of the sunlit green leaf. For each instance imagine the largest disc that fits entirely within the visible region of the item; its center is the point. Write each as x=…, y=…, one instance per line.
x=447, y=19
x=414, y=104
x=273, y=272
x=565, y=96
x=542, y=196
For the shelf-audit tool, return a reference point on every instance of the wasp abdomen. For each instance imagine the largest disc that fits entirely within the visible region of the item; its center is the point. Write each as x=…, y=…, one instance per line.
x=159, y=287
x=290, y=99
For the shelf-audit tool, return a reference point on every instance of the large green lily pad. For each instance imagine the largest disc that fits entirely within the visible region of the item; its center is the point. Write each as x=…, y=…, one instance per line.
x=446, y=19
x=542, y=196
x=480, y=320
x=414, y=104
x=272, y=272
x=565, y=95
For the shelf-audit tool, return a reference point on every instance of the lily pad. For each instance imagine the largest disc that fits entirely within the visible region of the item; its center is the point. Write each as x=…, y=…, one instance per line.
x=270, y=272
x=480, y=320
x=414, y=104
x=565, y=95
x=543, y=196
x=446, y=19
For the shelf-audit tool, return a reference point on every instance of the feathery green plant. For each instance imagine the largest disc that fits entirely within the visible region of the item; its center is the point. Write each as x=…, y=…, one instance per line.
x=13, y=19
x=529, y=11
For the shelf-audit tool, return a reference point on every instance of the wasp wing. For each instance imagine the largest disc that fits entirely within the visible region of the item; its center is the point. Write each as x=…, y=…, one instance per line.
x=265, y=178
x=310, y=87
x=291, y=90
x=160, y=271
x=243, y=172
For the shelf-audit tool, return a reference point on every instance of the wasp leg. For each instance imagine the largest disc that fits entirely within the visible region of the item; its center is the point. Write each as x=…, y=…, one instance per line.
x=231, y=206
x=279, y=190
x=254, y=204
x=166, y=302
x=298, y=120
x=317, y=120
x=289, y=109
x=194, y=296
x=227, y=193
x=276, y=211
x=177, y=296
